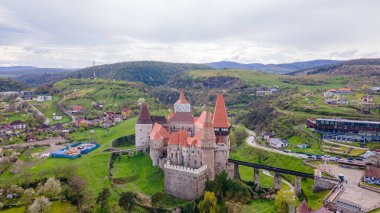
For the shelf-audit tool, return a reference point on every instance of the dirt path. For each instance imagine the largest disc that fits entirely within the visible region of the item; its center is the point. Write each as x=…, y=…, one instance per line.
x=267, y=173
x=38, y=143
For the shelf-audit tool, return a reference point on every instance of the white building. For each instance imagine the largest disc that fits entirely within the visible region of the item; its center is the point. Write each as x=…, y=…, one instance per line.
x=278, y=143
x=42, y=98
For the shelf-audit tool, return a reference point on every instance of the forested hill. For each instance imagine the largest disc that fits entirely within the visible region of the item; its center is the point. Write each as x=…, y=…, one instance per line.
x=7, y=84
x=152, y=73
x=363, y=67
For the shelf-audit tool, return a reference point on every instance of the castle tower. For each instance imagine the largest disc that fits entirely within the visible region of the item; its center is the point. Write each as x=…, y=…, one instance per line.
x=182, y=105
x=208, y=146
x=143, y=128
x=220, y=121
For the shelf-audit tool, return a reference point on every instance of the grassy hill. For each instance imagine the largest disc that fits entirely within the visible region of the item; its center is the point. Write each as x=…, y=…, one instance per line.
x=114, y=95
x=152, y=73
x=7, y=84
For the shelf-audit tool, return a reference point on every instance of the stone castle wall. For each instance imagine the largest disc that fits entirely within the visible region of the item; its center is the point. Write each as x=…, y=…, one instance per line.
x=321, y=184
x=184, y=182
x=142, y=133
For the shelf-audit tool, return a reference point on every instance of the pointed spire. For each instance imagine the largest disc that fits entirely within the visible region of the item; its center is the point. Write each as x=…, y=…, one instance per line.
x=144, y=116
x=220, y=118
x=182, y=98
x=208, y=130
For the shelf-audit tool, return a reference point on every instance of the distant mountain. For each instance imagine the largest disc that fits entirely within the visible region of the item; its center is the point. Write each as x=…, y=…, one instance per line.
x=363, y=67
x=272, y=68
x=33, y=75
x=7, y=84
x=152, y=73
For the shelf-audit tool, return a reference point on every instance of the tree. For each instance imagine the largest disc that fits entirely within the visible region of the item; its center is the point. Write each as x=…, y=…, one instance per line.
x=208, y=204
x=103, y=199
x=15, y=189
x=128, y=201
x=27, y=196
x=284, y=200
x=41, y=204
x=52, y=188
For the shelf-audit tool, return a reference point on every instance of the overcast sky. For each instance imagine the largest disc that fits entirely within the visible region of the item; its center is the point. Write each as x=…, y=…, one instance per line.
x=74, y=33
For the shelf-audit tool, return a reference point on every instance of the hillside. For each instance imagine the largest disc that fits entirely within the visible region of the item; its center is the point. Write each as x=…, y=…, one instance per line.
x=114, y=95
x=7, y=84
x=358, y=67
x=152, y=73
x=272, y=68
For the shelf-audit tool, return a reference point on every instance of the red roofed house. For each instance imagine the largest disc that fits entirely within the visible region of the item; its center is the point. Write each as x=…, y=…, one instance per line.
x=188, y=148
x=344, y=90
x=77, y=109
x=127, y=112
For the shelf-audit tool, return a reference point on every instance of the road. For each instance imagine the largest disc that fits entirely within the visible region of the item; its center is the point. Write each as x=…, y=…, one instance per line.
x=38, y=143
x=340, y=144
x=39, y=113
x=252, y=142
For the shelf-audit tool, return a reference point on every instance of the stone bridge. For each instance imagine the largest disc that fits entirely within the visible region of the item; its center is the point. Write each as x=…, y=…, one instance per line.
x=320, y=183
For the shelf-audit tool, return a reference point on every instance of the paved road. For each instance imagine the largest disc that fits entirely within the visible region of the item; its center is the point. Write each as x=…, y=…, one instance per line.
x=340, y=144
x=39, y=143
x=39, y=113
x=252, y=142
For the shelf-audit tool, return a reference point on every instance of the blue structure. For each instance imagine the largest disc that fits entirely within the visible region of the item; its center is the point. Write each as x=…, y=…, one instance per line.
x=78, y=147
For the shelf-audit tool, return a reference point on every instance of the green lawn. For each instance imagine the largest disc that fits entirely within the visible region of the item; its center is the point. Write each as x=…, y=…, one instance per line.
x=50, y=107
x=259, y=206
x=57, y=207
x=139, y=174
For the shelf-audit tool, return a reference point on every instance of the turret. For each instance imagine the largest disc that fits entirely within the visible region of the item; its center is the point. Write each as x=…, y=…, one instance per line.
x=142, y=129
x=208, y=146
x=220, y=119
x=182, y=105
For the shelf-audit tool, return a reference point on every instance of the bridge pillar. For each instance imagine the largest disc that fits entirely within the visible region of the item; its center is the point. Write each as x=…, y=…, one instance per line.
x=236, y=171
x=297, y=187
x=256, y=178
x=277, y=181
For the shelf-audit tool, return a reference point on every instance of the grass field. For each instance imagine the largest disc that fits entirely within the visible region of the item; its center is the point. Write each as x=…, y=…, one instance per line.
x=57, y=207
x=259, y=206
x=139, y=174
x=50, y=107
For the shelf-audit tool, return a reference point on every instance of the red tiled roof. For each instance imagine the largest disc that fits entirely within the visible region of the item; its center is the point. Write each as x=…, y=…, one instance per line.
x=201, y=119
x=332, y=90
x=77, y=108
x=178, y=138
x=144, y=116
x=182, y=99
x=344, y=89
x=208, y=130
x=159, y=132
x=126, y=109
x=303, y=208
x=323, y=210
x=220, y=118
x=186, y=117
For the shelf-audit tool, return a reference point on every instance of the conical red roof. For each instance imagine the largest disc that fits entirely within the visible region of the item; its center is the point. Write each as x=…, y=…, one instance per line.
x=220, y=119
x=159, y=132
x=182, y=99
x=144, y=116
x=208, y=130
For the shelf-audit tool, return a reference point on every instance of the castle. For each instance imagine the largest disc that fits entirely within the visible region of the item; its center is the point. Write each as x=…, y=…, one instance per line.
x=189, y=149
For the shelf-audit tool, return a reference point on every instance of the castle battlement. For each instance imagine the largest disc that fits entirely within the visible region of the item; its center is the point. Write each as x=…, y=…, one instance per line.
x=183, y=169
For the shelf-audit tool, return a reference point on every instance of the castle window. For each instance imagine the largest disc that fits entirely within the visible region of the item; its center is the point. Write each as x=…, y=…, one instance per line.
x=195, y=162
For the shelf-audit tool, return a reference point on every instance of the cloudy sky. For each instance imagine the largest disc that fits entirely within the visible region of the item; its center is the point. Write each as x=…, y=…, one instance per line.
x=74, y=33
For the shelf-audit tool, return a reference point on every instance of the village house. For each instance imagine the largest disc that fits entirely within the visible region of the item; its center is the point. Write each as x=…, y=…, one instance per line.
x=79, y=122
x=127, y=112
x=277, y=143
x=344, y=90
x=376, y=89
x=367, y=98
x=303, y=146
x=42, y=98
x=331, y=101
x=329, y=93
x=18, y=125
x=57, y=117
x=97, y=106
x=342, y=101
x=77, y=109
x=264, y=92
x=31, y=138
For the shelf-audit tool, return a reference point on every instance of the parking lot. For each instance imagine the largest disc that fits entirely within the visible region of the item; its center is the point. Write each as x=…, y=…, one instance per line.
x=363, y=197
